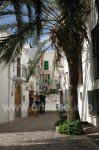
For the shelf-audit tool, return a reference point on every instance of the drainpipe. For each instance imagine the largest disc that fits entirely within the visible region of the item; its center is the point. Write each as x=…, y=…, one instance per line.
x=9, y=91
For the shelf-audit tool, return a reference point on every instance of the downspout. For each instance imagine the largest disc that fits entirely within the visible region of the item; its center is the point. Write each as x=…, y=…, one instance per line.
x=9, y=91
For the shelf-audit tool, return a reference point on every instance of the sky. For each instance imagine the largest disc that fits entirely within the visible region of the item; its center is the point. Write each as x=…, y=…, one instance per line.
x=11, y=19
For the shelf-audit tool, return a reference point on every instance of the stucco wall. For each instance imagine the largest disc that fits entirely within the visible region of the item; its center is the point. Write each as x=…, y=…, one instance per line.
x=7, y=92
x=24, y=101
x=3, y=94
x=88, y=78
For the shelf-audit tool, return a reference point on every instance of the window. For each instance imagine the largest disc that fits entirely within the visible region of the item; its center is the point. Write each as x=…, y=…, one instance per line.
x=95, y=40
x=46, y=65
x=18, y=67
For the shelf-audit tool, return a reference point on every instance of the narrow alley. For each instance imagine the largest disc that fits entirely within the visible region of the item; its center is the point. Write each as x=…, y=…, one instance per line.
x=38, y=133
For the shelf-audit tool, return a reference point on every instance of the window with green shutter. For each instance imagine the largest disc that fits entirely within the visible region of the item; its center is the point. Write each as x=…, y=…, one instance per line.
x=46, y=65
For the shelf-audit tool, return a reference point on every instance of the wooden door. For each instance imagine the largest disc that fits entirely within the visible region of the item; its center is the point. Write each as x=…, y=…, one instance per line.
x=17, y=101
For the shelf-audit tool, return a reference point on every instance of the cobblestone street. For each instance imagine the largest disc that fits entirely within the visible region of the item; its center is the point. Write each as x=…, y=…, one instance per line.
x=37, y=133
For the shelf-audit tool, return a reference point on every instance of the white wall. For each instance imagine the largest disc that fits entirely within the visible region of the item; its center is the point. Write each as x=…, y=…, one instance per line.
x=7, y=89
x=6, y=96
x=49, y=56
x=24, y=101
x=51, y=101
x=88, y=79
x=5, y=114
x=3, y=94
x=88, y=84
x=24, y=92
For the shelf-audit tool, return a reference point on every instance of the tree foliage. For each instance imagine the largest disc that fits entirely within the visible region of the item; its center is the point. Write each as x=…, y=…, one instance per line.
x=62, y=22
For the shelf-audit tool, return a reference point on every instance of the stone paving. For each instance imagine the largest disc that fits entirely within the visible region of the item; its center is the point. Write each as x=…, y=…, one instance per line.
x=37, y=133
x=95, y=138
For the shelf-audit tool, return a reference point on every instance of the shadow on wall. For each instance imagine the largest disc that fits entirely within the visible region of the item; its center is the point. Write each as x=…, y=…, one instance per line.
x=87, y=82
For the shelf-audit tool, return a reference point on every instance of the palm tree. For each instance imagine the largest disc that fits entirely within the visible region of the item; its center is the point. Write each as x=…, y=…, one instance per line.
x=70, y=35
x=22, y=30
x=64, y=25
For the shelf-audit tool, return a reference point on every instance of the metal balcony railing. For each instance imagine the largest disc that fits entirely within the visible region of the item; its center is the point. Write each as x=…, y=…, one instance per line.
x=21, y=73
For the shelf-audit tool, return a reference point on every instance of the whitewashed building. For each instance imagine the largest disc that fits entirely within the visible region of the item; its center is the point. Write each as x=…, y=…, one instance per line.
x=48, y=73
x=49, y=81
x=88, y=92
x=14, y=90
x=88, y=87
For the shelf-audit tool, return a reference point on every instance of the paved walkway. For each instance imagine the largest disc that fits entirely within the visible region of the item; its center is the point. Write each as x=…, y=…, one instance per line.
x=95, y=138
x=37, y=133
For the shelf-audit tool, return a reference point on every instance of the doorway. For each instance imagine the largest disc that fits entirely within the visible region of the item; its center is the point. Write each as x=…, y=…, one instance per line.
x=17, y=101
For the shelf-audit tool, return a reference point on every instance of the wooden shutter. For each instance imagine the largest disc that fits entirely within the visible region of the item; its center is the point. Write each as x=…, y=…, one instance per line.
x=46, y=65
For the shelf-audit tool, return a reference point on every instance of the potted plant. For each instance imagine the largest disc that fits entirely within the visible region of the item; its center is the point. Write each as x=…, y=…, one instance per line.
x=58, y=123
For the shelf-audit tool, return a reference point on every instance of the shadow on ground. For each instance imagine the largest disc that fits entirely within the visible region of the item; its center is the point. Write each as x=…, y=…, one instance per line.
x=56, y=143
x=94, y=138
x=43, y=122
x=38, y=133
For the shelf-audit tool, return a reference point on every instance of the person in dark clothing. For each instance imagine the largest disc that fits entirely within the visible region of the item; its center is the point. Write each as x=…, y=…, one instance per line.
x=30, y=101
x=37, y=101
x=42, y=104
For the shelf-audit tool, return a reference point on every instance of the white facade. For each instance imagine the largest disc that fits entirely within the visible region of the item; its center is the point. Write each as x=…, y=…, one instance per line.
x=52, y=99
x=3, y=94
x=88, y=75
x=9, y=81
x=48, y=56
x=64, y=77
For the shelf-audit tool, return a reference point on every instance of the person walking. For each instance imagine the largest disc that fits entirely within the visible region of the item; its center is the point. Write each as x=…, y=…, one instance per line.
x=42, y=103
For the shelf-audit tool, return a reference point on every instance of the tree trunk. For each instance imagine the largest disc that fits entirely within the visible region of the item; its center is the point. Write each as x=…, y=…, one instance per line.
x=72, y=111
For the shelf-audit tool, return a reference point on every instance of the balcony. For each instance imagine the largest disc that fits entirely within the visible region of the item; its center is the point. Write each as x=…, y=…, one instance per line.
x=21, y=74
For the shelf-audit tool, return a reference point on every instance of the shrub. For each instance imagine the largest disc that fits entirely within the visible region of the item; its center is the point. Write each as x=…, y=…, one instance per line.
x=71, y=128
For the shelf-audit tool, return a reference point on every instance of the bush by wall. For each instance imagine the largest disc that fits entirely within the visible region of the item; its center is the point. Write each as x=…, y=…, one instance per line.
x=71, y=128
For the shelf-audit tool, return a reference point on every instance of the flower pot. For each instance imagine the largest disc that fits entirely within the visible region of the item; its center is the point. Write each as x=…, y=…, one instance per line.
x=57, y=128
